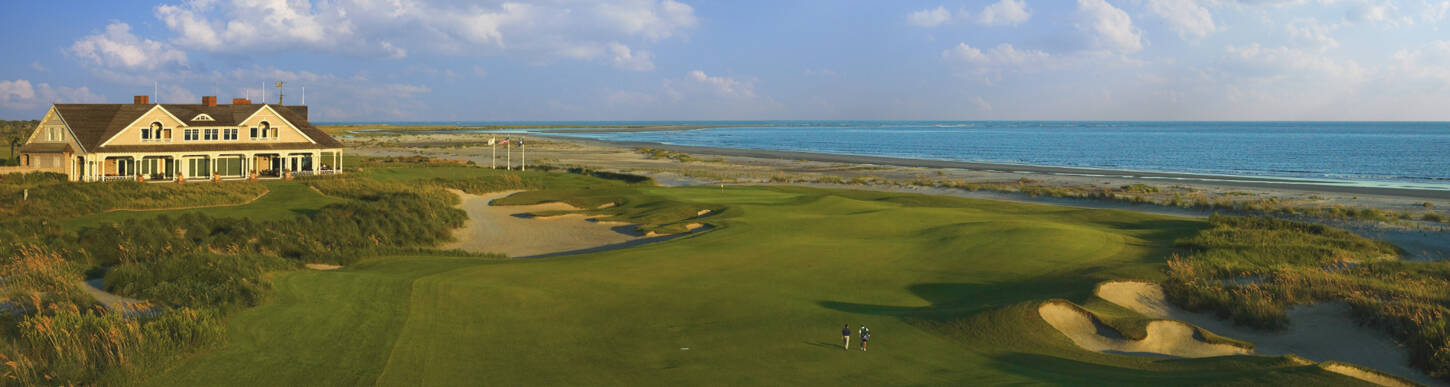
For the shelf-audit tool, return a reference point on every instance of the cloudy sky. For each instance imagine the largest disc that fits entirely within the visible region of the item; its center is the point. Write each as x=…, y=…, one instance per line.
x=445, y=60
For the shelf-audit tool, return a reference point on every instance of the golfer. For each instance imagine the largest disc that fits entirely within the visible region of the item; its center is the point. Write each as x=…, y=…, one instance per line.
x=846, y=336
x=865, y=335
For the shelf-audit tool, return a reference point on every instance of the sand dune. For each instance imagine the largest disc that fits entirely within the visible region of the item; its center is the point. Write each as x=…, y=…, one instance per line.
x=1321, y=332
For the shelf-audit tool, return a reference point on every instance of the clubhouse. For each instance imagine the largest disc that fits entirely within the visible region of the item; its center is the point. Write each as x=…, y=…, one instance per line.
x=143, y=141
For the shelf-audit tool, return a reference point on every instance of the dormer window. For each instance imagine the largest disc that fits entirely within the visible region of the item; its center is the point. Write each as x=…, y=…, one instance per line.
x=151, y=132
x=203, y=117
x=155, y=132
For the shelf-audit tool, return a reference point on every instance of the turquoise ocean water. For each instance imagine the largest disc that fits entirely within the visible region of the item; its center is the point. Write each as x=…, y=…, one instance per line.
x=1410, y=154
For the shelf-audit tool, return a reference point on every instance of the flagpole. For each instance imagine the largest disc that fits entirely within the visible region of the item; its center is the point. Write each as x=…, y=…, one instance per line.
x=492, y=160
x=523, y=155
x=508, y=153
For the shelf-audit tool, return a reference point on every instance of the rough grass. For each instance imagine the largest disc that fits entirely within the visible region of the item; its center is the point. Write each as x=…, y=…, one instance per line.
x=1251, y=269
x=282, y=200
x=949, y=286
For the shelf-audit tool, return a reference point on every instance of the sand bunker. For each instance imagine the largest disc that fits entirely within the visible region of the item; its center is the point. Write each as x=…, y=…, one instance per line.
x=510, y=230
x=322, y=266
x=1321, y=332
x=1165, y=338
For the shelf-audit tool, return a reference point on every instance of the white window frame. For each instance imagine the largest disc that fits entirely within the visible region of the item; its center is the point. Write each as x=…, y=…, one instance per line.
x=203, y=117
x=211, y=134
x=192, y=134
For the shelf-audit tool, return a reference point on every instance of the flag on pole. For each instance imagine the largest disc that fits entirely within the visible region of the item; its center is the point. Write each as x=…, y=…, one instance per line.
x=521, y=142
x=492, y=141
x=504, y=142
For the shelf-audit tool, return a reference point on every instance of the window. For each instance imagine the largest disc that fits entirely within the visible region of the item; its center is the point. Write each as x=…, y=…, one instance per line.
x=198, y=167
x=211, y=134
x=203, y=117
x=192, y=134
x=229, y=134
x=166, y=134
x=268, y=132
x=151, y=133
x=254, y=133
x=54, y=134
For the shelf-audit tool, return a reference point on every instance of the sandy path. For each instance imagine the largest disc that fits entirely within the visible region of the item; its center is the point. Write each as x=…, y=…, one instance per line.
x=124, y=305
x=506, y=229
x=1164, y=338
x=1320, y=332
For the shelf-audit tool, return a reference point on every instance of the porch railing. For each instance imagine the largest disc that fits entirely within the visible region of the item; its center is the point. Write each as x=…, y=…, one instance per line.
x=118, y=178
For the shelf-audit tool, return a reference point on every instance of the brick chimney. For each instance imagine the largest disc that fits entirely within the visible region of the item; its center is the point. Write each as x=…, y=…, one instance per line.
x=142, y=100
x=241, y=101
x=209, y=100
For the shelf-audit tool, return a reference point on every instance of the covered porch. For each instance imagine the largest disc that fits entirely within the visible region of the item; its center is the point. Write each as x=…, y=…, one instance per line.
x=188, y=166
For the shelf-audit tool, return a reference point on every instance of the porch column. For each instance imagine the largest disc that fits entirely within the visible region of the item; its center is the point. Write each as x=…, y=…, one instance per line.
x=316, y=161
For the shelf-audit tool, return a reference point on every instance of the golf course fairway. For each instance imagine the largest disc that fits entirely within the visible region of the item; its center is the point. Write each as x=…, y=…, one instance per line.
x=949, y=287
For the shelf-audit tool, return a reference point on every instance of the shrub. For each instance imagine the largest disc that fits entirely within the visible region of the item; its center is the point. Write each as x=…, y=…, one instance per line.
x=198, y=280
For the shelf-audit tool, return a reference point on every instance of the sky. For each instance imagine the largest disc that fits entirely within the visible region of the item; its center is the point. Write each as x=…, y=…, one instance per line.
x=563, y=60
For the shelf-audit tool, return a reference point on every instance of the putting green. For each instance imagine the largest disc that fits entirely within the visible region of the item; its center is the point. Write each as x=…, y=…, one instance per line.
x=949, y=287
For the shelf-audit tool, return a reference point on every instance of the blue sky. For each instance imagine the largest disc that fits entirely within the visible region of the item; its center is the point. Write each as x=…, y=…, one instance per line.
x=441, y=60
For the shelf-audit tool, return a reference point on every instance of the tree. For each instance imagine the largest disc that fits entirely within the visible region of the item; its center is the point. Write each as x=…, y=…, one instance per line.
x=14, y=140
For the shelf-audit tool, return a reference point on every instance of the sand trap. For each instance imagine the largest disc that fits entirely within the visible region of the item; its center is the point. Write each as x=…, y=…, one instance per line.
x=702, y=213
x=322, y=266
x=1320, y=332
x=509, y=229
x=1165, y=338
x=1365, y=375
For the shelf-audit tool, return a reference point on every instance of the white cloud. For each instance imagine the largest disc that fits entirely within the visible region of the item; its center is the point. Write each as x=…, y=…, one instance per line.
x=20, y=94
x=929, y=17
x=565, y=29
x=1005, y=12
x=988, y=66
x=1284, y=62
x=117, y=47
x=1187, y=17
x=17, y=90
x=1308, y=32
x=723, y=86
x=172, y=93
x=631, y=59
x=38, y=67
x=1109, y=27
x=1426, y=62
x=980, y=104
x=652, y=21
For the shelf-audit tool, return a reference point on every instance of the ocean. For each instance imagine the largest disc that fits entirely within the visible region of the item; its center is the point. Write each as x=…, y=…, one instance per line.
x=1405, y=154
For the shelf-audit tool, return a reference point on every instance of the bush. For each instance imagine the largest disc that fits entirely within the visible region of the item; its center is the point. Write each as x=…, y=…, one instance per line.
x=198, y=280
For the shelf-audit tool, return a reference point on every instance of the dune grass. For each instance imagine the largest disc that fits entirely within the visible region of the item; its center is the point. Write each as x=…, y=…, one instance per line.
x=948, y=285
x=283, y=199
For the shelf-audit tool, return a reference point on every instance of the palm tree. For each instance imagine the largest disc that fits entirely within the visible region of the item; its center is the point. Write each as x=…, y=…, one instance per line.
x=14, y=140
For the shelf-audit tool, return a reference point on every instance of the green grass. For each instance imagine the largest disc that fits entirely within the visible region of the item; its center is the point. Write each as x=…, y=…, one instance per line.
x=284, y=199
x=949, y=287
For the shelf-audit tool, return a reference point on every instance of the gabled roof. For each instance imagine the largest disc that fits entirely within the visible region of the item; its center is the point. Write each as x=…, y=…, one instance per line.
x=93, y=124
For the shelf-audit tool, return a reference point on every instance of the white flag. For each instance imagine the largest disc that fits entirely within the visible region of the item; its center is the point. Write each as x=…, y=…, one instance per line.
x=491, y=141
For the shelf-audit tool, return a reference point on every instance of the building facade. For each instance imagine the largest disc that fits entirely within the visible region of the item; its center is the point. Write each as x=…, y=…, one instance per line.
x=179, y=142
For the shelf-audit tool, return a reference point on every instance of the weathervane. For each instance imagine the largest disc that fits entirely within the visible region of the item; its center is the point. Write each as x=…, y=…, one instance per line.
x=279, y=92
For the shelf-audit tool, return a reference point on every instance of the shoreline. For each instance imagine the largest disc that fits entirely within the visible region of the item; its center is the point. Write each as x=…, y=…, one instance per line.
x=1224, y=180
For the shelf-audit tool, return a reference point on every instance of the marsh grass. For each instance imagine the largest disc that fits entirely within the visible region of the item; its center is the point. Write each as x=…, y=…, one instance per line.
x=201, y=268
x=1250, y=269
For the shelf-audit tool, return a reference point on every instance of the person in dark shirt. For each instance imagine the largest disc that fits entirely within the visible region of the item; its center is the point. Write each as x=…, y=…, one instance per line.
x=846, y=336
x=865, y=336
